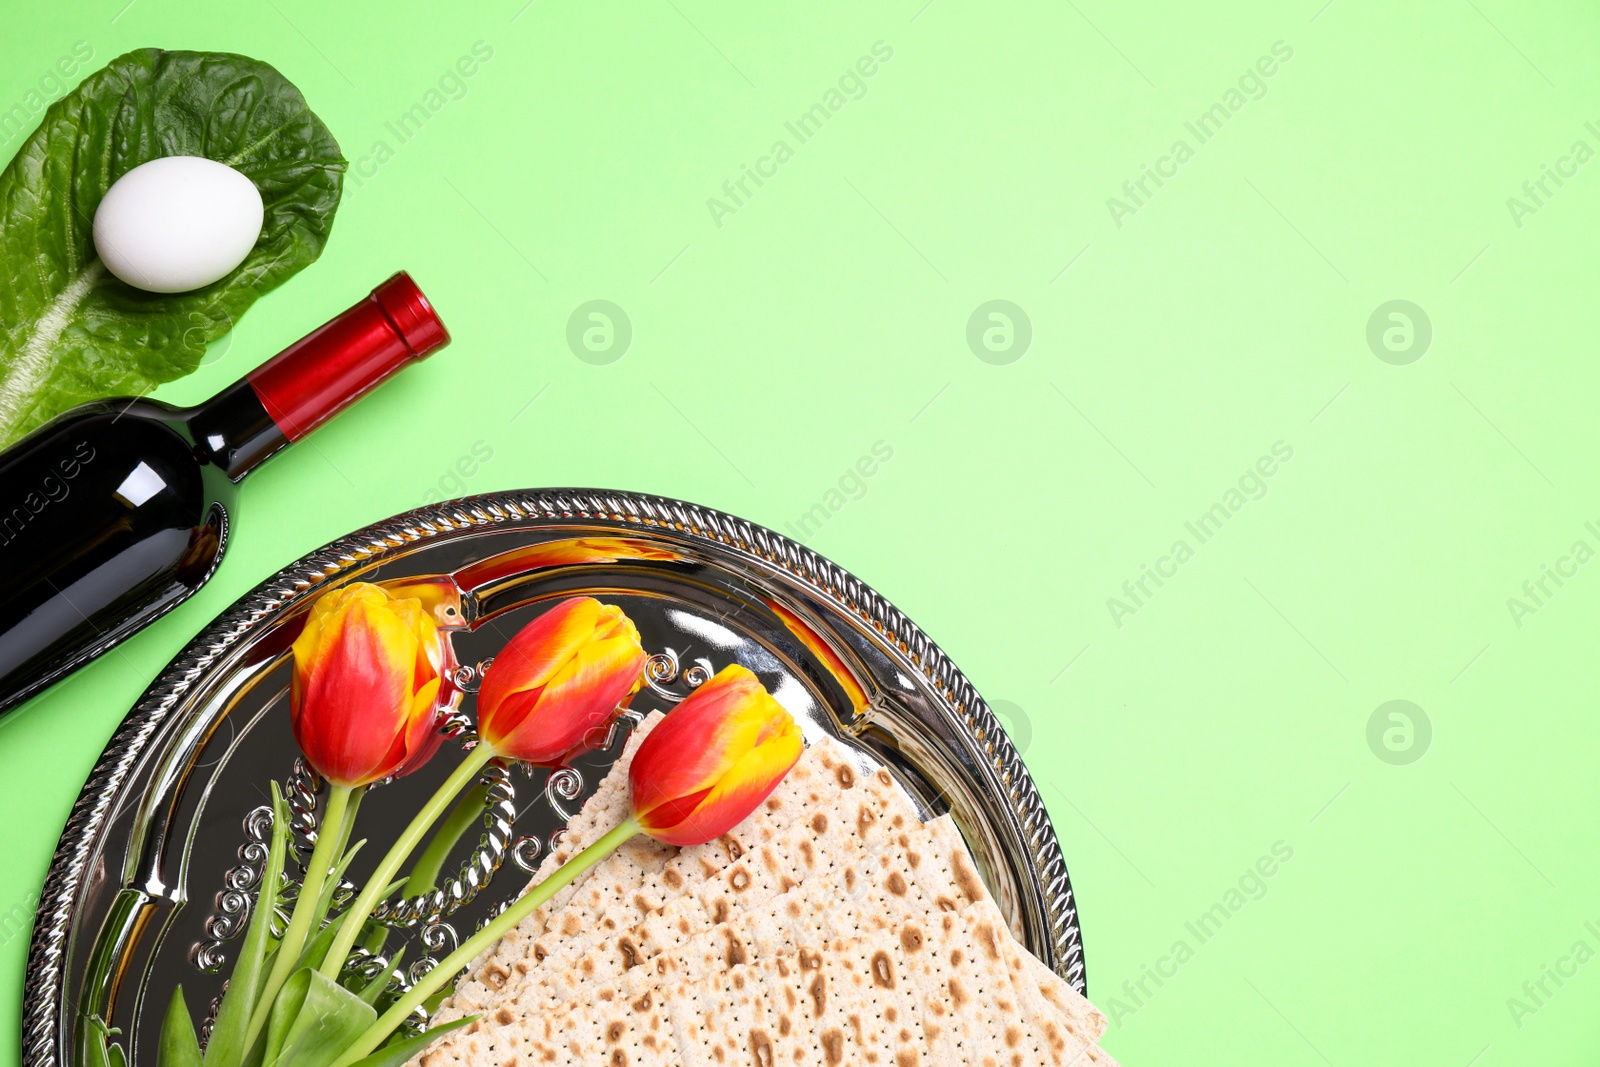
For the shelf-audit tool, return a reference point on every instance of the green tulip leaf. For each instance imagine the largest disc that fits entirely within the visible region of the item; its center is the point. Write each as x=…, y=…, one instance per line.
x=96, y=1047
x=285, y=1009
x=179, y=1046
x=317, y=948
x=244, y=985
x=331, y=886
x=374, y=989
x=397, y=1053
x=313, y=1021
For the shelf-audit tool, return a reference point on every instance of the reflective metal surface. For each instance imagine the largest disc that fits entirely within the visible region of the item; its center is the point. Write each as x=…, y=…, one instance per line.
x=152, y=882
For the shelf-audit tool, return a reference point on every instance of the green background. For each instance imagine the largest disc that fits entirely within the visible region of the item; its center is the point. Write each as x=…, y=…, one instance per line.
x=1172, y=346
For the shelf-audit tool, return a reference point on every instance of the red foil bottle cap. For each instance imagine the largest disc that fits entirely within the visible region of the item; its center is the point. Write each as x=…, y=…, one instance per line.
x=411, y=314
x=323, y=373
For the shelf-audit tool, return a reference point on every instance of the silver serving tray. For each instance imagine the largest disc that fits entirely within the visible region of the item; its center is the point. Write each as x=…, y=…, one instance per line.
x=151, y=883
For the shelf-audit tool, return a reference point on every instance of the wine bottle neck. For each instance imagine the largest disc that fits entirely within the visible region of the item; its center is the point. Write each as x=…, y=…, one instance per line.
x=317, y=377
x=235, y=431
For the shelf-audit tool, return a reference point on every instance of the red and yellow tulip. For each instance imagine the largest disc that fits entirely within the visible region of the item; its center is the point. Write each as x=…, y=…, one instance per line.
x=552, y=692
x=713, y=760
x=370, y=675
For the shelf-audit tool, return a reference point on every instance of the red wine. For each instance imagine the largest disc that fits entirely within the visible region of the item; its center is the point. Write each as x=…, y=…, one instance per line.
x=116, y=511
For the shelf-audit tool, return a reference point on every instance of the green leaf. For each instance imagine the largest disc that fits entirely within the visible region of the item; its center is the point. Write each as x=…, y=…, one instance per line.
x=179, y=1046
x=69, y=330
x=253, y=1057
x=317, y=948
x=331, y=886
x=96, y=1049
x=313, y=1021
x=376, y=936
x=285, y=1009
x=244, y=985
x=398, y=1052
x=374, y=989
x=465, y=814
x=431, y=1005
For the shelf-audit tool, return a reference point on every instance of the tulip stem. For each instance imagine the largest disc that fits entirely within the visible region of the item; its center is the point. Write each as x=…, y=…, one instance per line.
x=383, y=876
x=466, y=813
x=348, y=823
x=435, y=980
x=324, y=854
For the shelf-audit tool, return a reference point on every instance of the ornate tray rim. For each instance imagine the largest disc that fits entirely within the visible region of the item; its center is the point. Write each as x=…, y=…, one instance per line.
x=47, y=953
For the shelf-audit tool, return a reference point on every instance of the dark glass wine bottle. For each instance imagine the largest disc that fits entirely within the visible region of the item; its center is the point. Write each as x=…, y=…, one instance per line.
x=116, y=511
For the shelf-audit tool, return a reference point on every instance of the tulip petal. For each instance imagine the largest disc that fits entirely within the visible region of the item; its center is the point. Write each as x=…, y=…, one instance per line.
x=422, y=737
x=575, y=709
x=553, y=690
x=321, y=628
x=368, y=679
x=537, y=651
x=709, y=814
x=748, y=782
x=702, y=737
x=670, y=814
x=713, y=760
x=361, y=676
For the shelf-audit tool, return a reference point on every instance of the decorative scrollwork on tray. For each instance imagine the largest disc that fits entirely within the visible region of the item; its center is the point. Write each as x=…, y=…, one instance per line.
x=564, y=786
x=525, y=852
x=210, y=1021
x=234, y=902
x=440, y=938
x=660, y=671
x=367, y=966
x=664, y=670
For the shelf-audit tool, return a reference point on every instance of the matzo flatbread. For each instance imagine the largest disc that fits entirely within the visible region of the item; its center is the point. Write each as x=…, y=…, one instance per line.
x=647, y=897
x=892, y=893
x=654, y=941
x=939, y=994
x=979, y=1008
x=1073, y=1006
x=875, y=893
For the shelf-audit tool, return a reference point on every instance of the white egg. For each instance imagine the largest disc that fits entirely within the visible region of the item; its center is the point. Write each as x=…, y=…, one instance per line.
x=177, y=223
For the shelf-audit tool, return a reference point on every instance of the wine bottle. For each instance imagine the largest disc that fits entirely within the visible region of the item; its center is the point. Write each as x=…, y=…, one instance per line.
x=116, y=511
